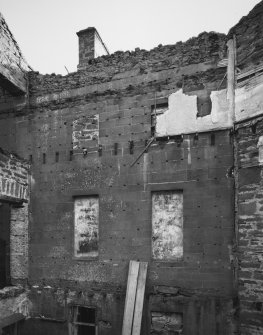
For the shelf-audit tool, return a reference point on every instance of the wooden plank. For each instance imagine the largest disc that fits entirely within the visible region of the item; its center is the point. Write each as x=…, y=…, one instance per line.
x=130, y=298
x=137, y=319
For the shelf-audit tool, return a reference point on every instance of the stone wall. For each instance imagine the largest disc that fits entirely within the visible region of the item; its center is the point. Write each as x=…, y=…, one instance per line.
x=14, y=190
x=13, y=178
x=13, y=66
x=87, y=136
x=249, y=220
x=83, y=133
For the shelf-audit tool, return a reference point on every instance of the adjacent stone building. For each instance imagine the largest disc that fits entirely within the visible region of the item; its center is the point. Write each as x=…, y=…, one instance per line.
x=152, y=156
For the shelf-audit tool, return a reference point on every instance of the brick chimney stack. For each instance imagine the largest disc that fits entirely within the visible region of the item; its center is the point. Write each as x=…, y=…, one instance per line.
x=90, y=46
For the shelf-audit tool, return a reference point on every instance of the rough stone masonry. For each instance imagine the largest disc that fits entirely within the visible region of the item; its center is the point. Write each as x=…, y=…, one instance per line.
x=153, y=156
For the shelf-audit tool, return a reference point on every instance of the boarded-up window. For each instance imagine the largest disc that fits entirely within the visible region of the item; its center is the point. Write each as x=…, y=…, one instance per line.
x=86, y=228
x=167, y=225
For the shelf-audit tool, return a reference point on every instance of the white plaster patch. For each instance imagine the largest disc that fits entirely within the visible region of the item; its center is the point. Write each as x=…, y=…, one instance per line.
x=181, y=117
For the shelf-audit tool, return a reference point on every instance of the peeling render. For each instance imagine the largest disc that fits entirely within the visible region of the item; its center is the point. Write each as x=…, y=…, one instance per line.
x=181, y=117
x=167, y=225
x=86, y=227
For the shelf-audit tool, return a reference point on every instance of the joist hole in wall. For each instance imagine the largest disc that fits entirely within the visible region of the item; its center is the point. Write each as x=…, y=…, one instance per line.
x=44, y=158
x=131, y=146
x=115, y=149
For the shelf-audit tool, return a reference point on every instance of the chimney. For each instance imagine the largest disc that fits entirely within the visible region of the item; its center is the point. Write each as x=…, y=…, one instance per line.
x=90, y=46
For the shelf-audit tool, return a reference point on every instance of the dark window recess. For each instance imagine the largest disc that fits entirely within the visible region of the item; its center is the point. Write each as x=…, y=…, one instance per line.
x=71, y=155
x=57, y=157
x=213, y=139
x=44, y=159
x=10, y=330
x=157, y=109
x=204, y=104
x=83, y=321
x=5, y=279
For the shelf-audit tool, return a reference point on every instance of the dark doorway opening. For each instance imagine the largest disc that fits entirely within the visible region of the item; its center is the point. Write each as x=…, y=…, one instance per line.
x=5, y=278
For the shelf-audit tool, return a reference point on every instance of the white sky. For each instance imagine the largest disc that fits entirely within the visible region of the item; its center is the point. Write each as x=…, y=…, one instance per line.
x=45, y=29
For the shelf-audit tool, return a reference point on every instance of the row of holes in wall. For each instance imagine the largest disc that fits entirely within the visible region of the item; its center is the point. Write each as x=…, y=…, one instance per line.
x=162, y=140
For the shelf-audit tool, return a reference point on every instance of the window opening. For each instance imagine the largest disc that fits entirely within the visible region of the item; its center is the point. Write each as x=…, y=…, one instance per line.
x=157, y=109
x=167, y=225
x=83, y=321
x=86, y=229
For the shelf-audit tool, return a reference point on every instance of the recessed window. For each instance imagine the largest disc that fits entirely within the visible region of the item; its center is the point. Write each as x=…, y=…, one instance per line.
x=83, y=321
x=86, y=226
x=157, y=109
x=167, y=225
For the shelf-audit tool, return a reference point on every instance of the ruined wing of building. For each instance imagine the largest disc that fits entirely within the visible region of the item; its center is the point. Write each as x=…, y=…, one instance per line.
x=151, y=156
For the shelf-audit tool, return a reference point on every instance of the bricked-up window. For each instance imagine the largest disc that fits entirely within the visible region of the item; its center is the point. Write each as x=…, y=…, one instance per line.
x=167, y=225
x=86, y=226
x=4, y=245
x=83, y=321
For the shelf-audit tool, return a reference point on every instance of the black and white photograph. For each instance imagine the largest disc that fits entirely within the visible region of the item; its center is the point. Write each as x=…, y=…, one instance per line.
x=131, y=167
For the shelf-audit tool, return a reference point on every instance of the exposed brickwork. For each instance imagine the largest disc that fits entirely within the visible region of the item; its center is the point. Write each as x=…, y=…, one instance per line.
x=14, y=189
x=83, y=133
x=13, y=177
x=249, y=38
x=90, y=46
x=250, y=214
x=108, y=110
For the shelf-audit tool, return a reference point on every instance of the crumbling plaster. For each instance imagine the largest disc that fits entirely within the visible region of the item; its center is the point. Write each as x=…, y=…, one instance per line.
x=181, y=117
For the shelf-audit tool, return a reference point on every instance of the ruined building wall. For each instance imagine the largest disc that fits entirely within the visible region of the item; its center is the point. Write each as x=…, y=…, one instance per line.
x=14, y=191
x=14, y=184
x=249, y=216
x=82, y=132
x=248, y=169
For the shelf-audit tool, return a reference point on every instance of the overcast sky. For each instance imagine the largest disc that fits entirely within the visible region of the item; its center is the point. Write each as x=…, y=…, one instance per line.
x=46, y=29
